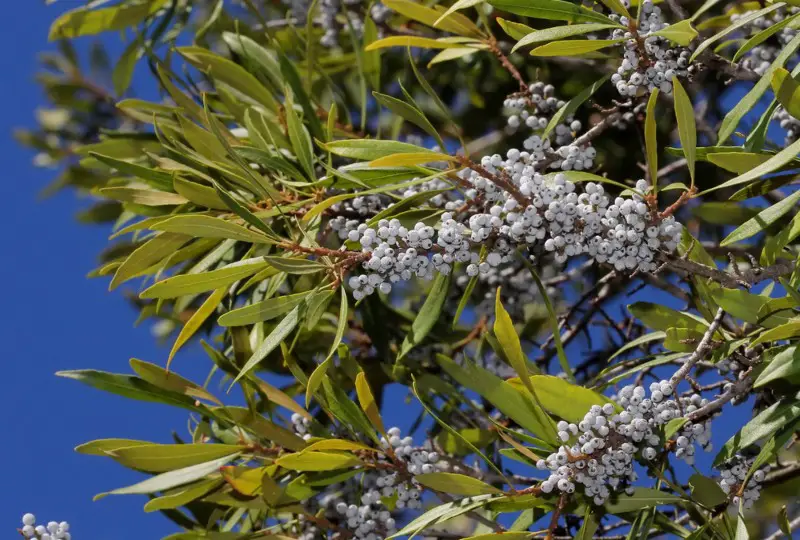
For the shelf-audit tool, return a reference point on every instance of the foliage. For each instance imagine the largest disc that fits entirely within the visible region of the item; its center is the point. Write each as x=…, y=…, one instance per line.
x=315, y=199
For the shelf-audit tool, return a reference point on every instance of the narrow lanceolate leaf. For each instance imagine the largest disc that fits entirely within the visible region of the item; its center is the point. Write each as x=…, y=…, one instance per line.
x=762, y=36
x=262, y=311
x=315, y=380
x=783, y=365
x=556, y=10
x=86, y=22
x=158, y=458
x=441, y=514
x=151, y=252
x=681, y=33
x=183, y=284
x=301, y=140
x=275, y=338
x=461, y=4
x=410, y=113
x=573, y=47
x=317, y=461
x=172, y=479
x=746, y=104
x=787, y=91
x=341, y=325
x=509, y=341
x=411, y=41
x=292, y=265
x=572, y=105
x=563, y=399
x=775, y=162
x=196, y=321
x=740, y=22
x=641, y=498
x=146, y=197
x=650, y=142
x=210, y=227
x=367, y=401
x=684, y=114
x=428, y=314
x=788, y=330
x=371, y=149
x=764, y=219
x=560, y=32
x=455, y=23
x=455, y=484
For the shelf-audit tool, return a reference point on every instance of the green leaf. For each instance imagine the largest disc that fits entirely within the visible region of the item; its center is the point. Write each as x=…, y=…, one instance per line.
x=775, y=162
x=589, y=526
x=673, y=426
x=243, y=212
x=146, y=197
x=560, y=32
x=503, y=396
x=316, y=379
x=783, y=522
x=565, y=400
x=223, y=70
x=157, y=458
x=367, y=401
x=680, y=32
x=409, y=112
x=131, y=387
x=200, y=226
x=184, y=284
x=741, y=527
x=646, y=338
x=371, y=149
x=573, y=47
x=557, y=10
x=455, y=23
x=641, y=498
x=197, y=319
x=787, y=91
x=301, y=140
x=123, y=71
x=298, y=266
x=455, y=484
x=764, y=425
x=764, y=219
x=411, y=41
x=428, y=314
x=86, y=22
x=745, y=105
x=460, y=444
x=198, y=194
x=500, y=536
x=271, y=342
x=460, y=4
x=662, y=318
x=650, y=139
x=514, y=29
x=509, y=340
x=155, y=374
x=172, y=479
x=684, y=114
x=737, y=162
x=574, y=104
x=740, y=22
x=146, y=255
x=262, y=311
x=317, y=461
x=442, y=513
x=102, y=447
x=706, y=491
x=784, y=365
x=785, y=331
x=741, y=304
x=762, y=36
x=182, y=496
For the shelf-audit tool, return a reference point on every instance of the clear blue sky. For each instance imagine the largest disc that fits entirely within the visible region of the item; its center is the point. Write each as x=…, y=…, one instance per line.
x=57, y=319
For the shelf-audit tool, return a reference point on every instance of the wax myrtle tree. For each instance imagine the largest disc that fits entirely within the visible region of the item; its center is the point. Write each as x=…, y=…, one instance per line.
x=555, y=243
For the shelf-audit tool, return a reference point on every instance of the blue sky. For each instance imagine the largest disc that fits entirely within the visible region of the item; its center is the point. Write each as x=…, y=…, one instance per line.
x=57, y=319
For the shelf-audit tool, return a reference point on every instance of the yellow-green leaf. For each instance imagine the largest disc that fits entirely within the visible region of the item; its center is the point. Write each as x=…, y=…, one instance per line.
x=684, y=114
x=367, y=401
x=509, y=341
x=196, y=320
x=650, y=141
x=560, y=32
x=787, y=91
x=455, y=484
x=317, y=461
x=196, y=283
x=200, y=226
x=737, y=162
x=681, y=32
x=158, y=458
x=410, y=158
x=411, y=41
x=573, y=47
x=85, y=22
